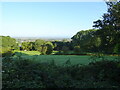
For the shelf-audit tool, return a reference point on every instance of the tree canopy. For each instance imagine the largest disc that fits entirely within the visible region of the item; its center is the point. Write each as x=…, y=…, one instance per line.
x=8, y=43
x=109, y=27
x=84, y=39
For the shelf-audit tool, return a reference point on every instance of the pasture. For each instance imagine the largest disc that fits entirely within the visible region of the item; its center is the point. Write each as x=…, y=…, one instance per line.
x=59, y=59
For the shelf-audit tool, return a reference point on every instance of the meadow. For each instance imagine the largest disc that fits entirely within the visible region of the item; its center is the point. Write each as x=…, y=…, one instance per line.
x=61, y=59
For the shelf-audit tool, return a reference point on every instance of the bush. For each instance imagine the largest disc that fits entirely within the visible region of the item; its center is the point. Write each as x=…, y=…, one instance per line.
x=65, y=49
x=77, y=49
x=24, y=73
x=117, y=49
x=7, y=54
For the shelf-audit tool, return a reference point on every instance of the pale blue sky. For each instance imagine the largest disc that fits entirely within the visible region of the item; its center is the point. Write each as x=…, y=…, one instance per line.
x=49, y=19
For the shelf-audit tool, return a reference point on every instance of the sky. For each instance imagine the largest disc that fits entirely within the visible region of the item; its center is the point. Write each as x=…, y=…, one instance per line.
x=49, y=19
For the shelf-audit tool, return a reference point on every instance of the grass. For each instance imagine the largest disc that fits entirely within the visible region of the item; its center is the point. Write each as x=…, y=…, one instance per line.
x=60, y=59
x=29, y=52
x=33, y=52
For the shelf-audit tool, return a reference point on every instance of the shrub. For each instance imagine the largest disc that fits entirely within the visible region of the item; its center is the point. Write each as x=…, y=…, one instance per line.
x=65, y=49
x=117, y=49
x=24, y=73
x=77, y=49
x=7, y=53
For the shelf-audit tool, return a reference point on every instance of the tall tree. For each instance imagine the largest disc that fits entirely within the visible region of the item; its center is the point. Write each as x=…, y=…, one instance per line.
x=109, y=27
x=84, y=39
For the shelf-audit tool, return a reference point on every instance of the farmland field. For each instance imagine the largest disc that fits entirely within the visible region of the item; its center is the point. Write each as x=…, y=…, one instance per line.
x=60, y=59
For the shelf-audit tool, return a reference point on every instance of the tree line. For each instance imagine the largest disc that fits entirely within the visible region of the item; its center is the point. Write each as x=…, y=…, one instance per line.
x=42, y=46
x=106, y=39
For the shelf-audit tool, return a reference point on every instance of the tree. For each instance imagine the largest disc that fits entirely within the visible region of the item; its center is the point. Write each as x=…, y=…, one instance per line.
x=84, y=39
x=38, y=44
x=31, y=46
x=109, y=27
x=8, y=44
x=25, y=46
x=43, y=49
x=49, y=49
x=58, y=45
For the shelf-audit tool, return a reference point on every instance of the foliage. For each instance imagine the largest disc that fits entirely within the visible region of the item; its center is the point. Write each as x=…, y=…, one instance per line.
x=7, y=41
x=77, y=49
x=24, y=73
x=84, y=39
x=109, y=27
x=8, y=45
x=25, y=46
x=38, y=44
x=59, y=45
x=7, y=54
x=117, y=49
x=28, y=46
x=49, y=49
x=65, y=49
x=43, y=49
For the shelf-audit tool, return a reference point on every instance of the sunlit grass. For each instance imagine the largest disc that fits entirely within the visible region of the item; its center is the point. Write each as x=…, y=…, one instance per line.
x=29, y=52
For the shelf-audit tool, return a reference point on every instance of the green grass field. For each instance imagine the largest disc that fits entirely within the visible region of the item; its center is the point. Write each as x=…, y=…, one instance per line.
x=59, y=59
x=29, y=52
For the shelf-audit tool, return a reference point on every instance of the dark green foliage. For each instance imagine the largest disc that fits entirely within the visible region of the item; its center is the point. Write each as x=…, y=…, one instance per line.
x=29, y=46
x=49, y=49
x=77, y=49
x=117, y=48
x=60, y=44
x=86, y=40
x=24, y=73
x=43, y=49
x=21, y=74
x=109, y=27
x=106, y=39
x=65, y=49
x=7, y=54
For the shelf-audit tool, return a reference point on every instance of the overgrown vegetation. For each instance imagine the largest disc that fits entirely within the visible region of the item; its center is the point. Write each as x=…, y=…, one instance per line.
x=24, y=73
